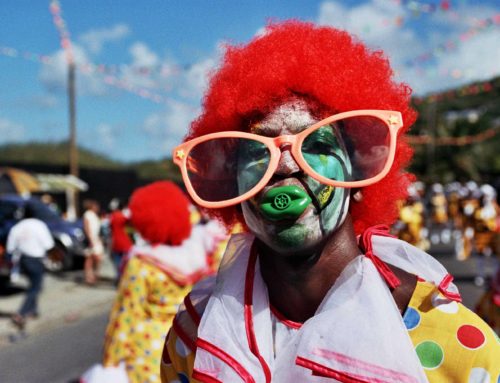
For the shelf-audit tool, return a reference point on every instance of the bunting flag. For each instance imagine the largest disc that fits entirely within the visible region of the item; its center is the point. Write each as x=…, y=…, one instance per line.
x=453, y=141
x=55, y=10
x=88, y=69
x=418, y=7
x=467, y=90
x=452, y=45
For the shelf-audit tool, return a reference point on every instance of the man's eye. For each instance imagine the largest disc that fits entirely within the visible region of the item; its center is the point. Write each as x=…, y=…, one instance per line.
x=253, y=149
x=318, y=147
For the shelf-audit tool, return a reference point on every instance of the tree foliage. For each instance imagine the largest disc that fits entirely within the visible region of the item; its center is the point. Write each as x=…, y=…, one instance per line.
x=468, y=111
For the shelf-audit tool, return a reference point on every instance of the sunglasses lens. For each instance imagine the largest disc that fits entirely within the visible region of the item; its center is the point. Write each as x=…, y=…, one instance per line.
x=224, y=168
x=351, y=149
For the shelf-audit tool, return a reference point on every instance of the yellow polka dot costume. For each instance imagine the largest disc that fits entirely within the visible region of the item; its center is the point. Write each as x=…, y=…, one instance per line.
x=159, y=271
x=450, y=342
x=142, y=314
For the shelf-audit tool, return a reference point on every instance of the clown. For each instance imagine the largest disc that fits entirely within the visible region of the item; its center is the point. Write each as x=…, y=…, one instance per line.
x=301, y=140
x=172, y=254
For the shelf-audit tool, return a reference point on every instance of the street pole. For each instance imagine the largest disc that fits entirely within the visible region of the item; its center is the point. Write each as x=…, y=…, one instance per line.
x=73, y=149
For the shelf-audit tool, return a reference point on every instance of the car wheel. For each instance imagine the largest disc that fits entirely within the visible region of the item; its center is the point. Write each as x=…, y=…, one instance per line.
x=58, y=259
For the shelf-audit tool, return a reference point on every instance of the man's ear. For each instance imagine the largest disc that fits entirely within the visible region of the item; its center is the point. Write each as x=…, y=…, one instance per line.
x=356, y=195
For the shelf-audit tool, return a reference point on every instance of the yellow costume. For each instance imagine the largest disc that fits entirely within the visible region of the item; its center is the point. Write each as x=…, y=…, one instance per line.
x=143, y=311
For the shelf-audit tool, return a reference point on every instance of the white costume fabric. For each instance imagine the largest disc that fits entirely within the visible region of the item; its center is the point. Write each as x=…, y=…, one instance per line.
x=359, y=303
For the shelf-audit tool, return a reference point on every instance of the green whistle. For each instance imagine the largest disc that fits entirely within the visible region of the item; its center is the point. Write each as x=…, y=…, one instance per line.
x=284, y=202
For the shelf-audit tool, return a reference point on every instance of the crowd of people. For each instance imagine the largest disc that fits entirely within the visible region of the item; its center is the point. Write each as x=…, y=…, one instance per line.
x=466, y=215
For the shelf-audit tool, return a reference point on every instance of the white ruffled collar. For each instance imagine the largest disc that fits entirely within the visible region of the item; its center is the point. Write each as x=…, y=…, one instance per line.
x=340, y=343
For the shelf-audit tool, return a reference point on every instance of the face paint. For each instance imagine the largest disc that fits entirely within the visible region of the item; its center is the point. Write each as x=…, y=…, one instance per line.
x=253, y=161
x=324, y=152
x=290, y=232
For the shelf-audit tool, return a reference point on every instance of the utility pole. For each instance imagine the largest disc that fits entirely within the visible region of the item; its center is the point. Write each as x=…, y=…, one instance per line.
x=73, y=149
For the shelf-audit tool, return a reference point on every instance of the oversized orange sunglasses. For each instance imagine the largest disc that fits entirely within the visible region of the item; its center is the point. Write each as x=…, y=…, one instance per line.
x=350, y=150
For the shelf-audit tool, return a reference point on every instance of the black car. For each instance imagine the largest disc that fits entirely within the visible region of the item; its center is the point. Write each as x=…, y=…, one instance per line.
x=68, y=236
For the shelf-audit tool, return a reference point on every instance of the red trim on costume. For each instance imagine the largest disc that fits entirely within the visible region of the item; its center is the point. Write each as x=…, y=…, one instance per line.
x=369, y=367
x=179, y=277
x=284, y=320
x=322, y=371
x=248, y=312
x=205, y=378
x=191, y=310
x=226, y=358
x=366, y=244
x=319, y=370
x=184, y=337
x=443, y=289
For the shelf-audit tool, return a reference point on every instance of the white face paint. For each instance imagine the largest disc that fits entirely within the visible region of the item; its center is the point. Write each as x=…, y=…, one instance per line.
x=320, y=218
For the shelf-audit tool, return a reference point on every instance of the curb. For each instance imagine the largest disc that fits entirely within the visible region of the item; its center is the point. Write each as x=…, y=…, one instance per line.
x=64, y=300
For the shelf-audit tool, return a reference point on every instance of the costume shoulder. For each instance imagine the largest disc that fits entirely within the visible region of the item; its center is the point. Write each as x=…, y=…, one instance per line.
x=453, y=343
x=180, y=345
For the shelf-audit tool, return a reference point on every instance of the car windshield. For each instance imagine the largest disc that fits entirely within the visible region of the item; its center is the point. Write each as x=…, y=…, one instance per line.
x=43, y=212
x=7, y=210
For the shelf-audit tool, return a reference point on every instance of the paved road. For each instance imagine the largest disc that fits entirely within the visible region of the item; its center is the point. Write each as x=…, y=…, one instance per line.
x=58, y=356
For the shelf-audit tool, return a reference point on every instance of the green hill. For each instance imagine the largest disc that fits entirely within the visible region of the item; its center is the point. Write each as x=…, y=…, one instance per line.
x=56, y=153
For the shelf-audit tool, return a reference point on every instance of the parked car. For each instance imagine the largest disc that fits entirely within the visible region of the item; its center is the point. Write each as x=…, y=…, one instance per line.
x=68, y=236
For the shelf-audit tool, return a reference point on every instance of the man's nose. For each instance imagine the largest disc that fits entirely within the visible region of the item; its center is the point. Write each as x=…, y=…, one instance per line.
x=287, y=164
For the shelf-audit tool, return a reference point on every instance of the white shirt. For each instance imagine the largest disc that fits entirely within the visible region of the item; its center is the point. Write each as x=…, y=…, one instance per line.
x=94, y=225
x=30, y=237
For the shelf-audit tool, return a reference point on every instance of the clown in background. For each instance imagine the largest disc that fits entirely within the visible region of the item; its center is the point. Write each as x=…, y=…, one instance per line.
x=159, y=271
x=410, y=226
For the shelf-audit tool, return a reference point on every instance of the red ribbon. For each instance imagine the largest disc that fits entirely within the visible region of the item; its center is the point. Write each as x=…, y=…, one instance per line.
x=366, y=244
x=443, y=289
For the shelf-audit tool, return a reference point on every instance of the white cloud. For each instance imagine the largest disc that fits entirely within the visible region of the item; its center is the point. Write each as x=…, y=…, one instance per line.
x=372, y=22
x=143, y=70
x=106, y=135
x=96, y=38
x=142, y=56
x=472, y=60
x=376, y=23
x=196, y=78
x=166, y=128
x=54, y=75
x=11, y=131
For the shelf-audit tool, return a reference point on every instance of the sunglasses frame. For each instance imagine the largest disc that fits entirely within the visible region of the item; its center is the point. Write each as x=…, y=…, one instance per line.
x=392, y=119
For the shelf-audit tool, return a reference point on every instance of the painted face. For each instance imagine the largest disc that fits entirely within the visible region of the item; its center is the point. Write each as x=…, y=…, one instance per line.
x=294, y=211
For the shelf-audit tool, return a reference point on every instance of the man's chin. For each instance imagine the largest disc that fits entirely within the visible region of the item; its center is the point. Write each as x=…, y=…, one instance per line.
x=297, y=238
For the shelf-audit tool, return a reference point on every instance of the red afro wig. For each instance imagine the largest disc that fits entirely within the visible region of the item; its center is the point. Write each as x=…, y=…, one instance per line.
x=160, y=213
x=325, y=67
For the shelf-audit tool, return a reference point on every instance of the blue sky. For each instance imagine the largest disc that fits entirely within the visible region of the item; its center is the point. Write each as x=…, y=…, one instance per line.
x=142, y=64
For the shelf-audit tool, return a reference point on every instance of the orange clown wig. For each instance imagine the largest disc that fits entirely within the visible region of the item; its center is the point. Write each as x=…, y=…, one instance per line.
x=329, y=69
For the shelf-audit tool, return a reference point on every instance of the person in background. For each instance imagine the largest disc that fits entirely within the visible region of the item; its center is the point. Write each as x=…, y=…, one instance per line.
x=28, y=242
x=94, y=252
x=121, y=242
x=158, y=272
x=302, y=138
